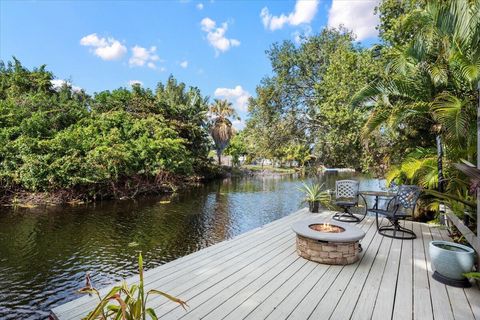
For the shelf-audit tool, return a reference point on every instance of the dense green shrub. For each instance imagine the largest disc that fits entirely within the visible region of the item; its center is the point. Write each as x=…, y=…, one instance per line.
x=57, y=138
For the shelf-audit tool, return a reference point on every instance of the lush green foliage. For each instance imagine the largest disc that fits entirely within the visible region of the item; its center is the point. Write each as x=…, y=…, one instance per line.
x=126, y=303
x=237, y=148
x=116, y=143
x=302, y=112
x=391, y=107
x=316, y=192
x=428, y=90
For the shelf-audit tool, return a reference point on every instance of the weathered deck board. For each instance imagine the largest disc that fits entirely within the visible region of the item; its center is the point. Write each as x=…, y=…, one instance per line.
x=461, y=306
x=258, y=275
x=385, y=297
x=190, y=268
x=440, y=300
x=422, y=302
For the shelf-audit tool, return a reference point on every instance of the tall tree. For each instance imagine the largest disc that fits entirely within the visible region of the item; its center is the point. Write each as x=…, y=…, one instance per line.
x=222, y=130
x=306, y=100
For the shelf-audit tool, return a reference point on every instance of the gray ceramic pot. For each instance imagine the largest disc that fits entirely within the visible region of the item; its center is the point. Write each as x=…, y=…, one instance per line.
x=451, y=259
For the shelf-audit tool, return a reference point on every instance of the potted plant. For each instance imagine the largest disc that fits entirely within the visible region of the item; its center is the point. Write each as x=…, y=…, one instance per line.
x=315, y=195
x=451, y=261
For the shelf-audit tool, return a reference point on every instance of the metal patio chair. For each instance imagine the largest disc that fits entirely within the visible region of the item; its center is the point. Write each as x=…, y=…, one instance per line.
x=348, y=197
x=398, y=208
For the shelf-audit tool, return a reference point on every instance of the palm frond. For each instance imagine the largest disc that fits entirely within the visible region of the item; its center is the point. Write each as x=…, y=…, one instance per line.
x=393, y=174
x=374, y=121
x=455, y=115
x=367, y=95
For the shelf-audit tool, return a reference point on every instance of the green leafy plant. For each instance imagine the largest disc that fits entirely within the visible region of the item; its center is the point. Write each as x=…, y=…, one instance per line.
x=472, y=275
x=113, y=144
x=126, y=303
x=314, y=192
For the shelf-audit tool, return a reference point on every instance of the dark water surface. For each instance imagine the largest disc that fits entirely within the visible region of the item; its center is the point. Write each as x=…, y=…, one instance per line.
x=45, y=253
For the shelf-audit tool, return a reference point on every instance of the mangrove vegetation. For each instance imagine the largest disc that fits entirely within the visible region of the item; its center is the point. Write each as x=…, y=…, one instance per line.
x=121, y=143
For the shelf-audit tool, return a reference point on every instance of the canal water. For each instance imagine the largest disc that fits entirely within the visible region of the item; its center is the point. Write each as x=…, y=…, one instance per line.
x=46, y=252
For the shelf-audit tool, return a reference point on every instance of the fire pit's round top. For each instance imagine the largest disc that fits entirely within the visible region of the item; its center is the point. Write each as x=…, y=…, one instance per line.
x=351, y=233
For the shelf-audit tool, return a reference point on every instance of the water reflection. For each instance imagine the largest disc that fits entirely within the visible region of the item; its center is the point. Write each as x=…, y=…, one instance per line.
x=45, y=252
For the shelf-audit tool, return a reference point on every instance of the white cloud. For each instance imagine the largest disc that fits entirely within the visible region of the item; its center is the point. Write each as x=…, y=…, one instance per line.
x=238, y=96
x=238, y=124
x=105, y=48
x=143, y=56
x=304, y=12
x=184, y=64
x=300, y=36
x=207, y=24
x=135, y=82
x=216, y=36
x=199, y=6
x=357, y=16
x=57, y=84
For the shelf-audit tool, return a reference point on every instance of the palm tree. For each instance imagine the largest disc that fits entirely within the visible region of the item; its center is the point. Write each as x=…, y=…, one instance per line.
x=222, y=130
x=432, y=77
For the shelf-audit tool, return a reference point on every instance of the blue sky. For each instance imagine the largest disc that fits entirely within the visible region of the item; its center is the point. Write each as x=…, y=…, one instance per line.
x=218, y=46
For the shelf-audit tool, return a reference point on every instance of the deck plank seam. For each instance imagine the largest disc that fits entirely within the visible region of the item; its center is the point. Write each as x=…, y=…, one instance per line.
x=426, y=265
x=288, y=248
x=353, y=274
x=303, y=263
x=272, y=249
x=296, y=258
x=247, y=284
x=226, y=268
x=381, y=278
x=343, y=267
x=299, y=282
x=439, y=237
x=253, y=295
x=227, y=300
x=152, y=283
x=306, y=293
x=283, y=283
x=413, y=282
x=227, y=244
x=396, y=282
x=245, y=298
x=430, y=236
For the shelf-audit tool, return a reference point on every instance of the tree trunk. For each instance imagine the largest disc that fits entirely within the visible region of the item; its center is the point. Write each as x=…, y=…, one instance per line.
x=440, y=163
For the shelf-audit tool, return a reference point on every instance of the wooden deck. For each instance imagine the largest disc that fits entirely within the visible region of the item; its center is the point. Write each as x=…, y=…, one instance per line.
x=258, y=275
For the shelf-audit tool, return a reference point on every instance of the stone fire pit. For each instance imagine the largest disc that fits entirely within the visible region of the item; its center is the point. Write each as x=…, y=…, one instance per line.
x=327, y=241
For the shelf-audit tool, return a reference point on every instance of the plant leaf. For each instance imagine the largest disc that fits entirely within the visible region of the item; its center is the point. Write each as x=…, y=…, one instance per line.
x=151, y=313
x=472, y=275
x=170, y=297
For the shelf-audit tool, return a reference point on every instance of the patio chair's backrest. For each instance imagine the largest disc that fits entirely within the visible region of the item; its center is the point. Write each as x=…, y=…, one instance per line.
x=346, y=189
x=407, y=196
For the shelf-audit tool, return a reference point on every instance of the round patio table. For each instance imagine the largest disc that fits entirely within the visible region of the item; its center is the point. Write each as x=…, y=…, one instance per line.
x=378, y=195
